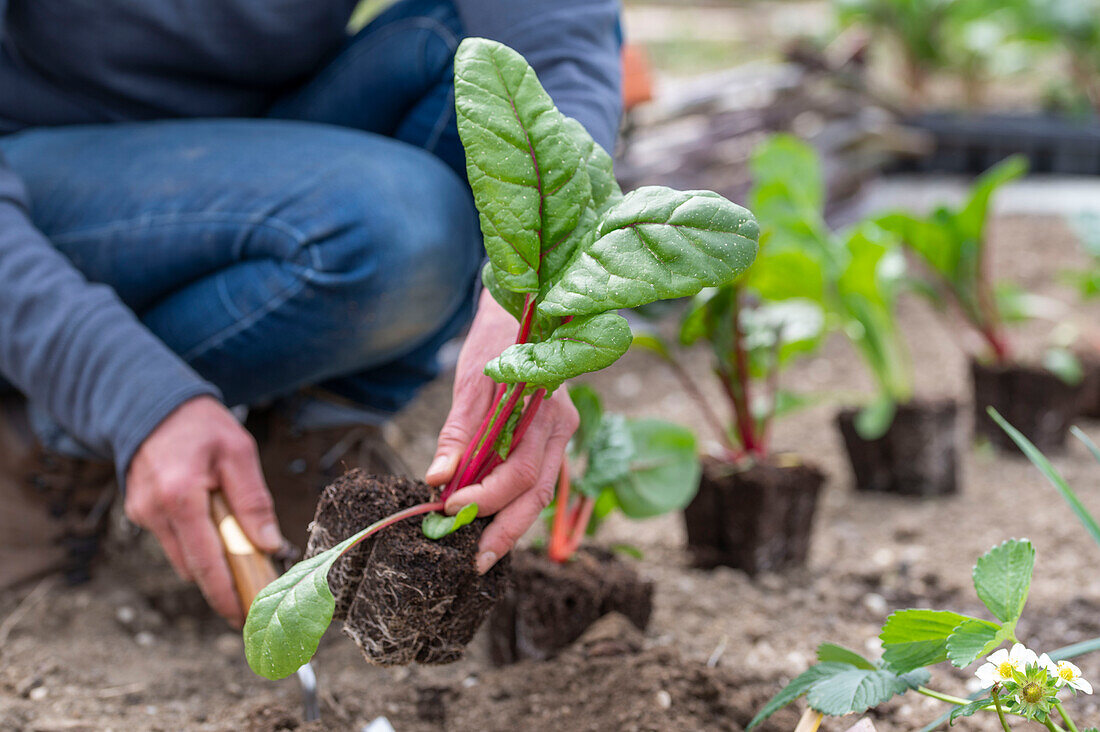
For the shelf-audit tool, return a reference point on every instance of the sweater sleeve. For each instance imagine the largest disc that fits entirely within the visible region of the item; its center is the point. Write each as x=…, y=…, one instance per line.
x=74, y=348
x=573, y=45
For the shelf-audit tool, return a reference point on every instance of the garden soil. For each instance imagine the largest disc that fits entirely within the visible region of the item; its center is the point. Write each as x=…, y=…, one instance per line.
x=135, y=649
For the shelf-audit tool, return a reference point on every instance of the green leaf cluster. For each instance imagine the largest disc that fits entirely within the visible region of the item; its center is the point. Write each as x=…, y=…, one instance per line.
x=950, y=241
x=917, y=638
x=641, y=467
x=969, y=39
x=854, y=275
x=562, y=240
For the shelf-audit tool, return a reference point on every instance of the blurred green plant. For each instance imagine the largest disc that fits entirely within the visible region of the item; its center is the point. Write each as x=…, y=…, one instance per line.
x=639, y=467
x=857, y=271
x=806, y=280
x=950, y=242
x=969, y=39
x=1069, y=29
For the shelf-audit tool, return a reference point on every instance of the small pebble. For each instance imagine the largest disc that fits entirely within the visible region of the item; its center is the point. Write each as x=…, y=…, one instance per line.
x=229, y=644
x=145, y=639
x=875, y=602
x=664, y=699
x=126, y=615
x=469, y=681
x=38, y=693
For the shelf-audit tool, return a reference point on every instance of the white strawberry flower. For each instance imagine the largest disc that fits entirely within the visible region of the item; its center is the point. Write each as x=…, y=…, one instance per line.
x=1067, y=674
x=1000, y=665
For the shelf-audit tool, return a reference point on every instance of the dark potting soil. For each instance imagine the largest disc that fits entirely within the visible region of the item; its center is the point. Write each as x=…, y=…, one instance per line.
x=917, y=455
x=756, y=518
x=1033, y=400
x=549, y=605
x=402, y=597
x=608, y=680
x=1090, y=389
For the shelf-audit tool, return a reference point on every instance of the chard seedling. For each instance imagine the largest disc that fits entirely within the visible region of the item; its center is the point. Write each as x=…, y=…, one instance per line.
x=951, y=243
x=858, y=271
x=1017, y=683
x=640, y=467
x=566, y=249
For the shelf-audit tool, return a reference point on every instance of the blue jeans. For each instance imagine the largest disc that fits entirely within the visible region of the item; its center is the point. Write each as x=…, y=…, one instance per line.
x=335, y=242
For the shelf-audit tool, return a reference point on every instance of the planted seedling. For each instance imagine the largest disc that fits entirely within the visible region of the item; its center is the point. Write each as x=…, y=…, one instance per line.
x=1017, y=684
x=640, y=468
x=566, y=249
x=951, y=244
x=754, y=509
x=896, y=443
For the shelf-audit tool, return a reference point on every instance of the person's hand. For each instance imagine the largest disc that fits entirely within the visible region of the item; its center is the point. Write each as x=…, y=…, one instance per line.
x=199, y=448
x=519, y=488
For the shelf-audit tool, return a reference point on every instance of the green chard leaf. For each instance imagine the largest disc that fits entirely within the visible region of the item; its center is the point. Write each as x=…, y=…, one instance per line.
x=912, y=639
x=587, y=403
x=1002, y=578
x=438, y=525
x=654, y=244
x=289, y=616
x=664, y=470
x=529, y=180
x=582, y=345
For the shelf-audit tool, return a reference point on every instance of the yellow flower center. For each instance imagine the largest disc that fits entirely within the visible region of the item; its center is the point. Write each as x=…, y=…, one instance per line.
x=1032, y=693
x=1066, y=673
x=1005, y=670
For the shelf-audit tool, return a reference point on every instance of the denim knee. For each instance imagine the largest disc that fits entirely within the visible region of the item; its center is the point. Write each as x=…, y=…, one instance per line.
x=396, y=259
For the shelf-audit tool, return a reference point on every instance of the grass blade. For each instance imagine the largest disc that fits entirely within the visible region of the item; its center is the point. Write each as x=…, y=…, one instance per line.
x=1080, y=435
x=1040, y=461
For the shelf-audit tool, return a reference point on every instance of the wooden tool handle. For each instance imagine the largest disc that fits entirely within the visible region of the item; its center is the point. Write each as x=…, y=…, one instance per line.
x=252, y=569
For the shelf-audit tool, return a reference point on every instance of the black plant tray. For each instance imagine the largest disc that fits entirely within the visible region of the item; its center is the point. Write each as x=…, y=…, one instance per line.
x=973, y=143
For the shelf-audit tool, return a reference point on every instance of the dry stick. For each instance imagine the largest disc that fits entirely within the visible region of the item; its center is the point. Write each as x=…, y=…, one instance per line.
x=25, y=606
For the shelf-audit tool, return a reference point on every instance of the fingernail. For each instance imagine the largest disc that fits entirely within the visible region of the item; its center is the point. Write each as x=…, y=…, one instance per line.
x=485, y=561
x=438, y=465
x=270, y=535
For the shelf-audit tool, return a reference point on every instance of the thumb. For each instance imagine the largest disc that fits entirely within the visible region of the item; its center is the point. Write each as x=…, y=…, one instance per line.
x=467, y=412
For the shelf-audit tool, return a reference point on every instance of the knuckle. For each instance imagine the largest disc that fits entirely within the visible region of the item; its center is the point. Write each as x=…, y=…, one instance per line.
x=239, y=444
x=174, y=495
x=543, y=494
x=525, y=473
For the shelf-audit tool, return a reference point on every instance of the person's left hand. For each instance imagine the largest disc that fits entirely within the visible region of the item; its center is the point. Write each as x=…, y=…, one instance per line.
x=523, y=485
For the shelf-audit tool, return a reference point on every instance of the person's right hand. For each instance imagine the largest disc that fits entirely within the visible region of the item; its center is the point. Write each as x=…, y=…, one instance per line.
x=199, y=448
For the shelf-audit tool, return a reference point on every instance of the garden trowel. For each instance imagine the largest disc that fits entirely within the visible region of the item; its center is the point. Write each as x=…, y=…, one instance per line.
x=252, y=571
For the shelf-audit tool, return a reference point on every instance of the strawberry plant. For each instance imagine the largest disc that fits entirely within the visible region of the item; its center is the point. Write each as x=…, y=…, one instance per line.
x=1017, y=683
x=566, y=249
x=639, y=467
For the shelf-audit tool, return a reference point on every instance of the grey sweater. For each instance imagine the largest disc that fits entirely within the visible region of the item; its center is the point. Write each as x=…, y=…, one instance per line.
x=72, y=346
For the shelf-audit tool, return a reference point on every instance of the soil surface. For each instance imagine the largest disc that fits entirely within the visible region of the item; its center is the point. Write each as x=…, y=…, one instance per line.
x=136, y=650
x=549, y=605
